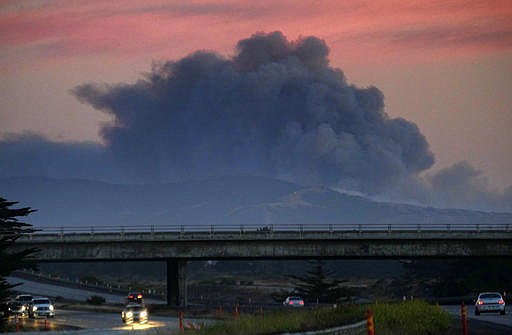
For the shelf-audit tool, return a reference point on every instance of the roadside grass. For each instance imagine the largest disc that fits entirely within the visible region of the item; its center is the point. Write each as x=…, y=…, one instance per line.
x=405, y=318
x=408, y=318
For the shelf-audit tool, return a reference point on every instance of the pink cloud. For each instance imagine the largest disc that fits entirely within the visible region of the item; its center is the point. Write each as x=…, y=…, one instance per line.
x=353, y=29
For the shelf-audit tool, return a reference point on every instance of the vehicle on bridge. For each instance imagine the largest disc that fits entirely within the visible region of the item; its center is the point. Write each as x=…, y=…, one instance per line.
x=489, y=302
x=134, y=313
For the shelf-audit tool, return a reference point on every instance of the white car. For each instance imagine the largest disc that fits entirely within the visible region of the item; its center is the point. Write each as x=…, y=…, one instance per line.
x=488, y=302
x=134, y=313
x=41, y=307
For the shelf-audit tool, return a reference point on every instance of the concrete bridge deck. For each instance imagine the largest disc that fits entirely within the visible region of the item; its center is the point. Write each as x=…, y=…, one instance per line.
x=178, y=244
x=270, y=241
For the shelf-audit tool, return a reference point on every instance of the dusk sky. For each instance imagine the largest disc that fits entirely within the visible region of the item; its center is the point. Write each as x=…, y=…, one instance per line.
x=445, y=66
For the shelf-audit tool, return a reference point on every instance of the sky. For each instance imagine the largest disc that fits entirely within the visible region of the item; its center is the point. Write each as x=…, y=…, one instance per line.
x=443, y=70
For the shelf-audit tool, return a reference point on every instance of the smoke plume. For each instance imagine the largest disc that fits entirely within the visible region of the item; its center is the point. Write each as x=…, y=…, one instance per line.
x=276, y=109
x=463, y=186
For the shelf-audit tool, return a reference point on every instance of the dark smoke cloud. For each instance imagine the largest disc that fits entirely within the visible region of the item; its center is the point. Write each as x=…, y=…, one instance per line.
x=33, y=155
x=276, y=108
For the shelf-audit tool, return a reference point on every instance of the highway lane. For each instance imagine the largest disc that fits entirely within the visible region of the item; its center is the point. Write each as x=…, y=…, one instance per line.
x=103, y=323
x=92, y=322
x=111, y=321
x=482, y=319
x=80, y=294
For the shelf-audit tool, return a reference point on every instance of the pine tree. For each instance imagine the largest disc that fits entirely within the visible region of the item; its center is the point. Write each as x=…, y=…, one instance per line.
x=10, y=230
x=316, y=285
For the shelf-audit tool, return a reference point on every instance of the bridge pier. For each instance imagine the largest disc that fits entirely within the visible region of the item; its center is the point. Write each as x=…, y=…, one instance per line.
x=176, y=282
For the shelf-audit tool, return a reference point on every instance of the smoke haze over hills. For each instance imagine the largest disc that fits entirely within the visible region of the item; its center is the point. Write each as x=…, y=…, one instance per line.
x=230, y=200
x=275, y=109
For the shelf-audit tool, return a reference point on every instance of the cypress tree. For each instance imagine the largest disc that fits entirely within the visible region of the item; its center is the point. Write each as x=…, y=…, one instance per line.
x=317, y=285
x=10, y=230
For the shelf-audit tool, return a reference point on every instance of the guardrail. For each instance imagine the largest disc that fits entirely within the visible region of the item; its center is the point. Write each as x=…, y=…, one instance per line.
x=273, y=228
x=272, y=231
x=357, y=328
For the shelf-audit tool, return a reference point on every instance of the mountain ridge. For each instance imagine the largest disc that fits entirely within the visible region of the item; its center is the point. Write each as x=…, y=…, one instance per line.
x=229, y=200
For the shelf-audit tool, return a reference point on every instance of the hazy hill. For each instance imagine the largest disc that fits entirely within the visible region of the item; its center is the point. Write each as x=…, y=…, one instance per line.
x=229, y=200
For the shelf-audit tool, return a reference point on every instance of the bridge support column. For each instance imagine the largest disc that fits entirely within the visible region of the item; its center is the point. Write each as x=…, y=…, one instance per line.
x=177, y=282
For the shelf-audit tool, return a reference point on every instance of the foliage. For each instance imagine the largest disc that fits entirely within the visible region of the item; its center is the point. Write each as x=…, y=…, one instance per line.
x=95, y=300
x=404, y=318
x=91, y=280
x=316, y=285
x=408, y=318
x=286, y=320
x=458, y=277
x=10, y=230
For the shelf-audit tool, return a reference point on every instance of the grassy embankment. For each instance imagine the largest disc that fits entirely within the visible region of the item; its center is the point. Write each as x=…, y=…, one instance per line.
x=408, y=318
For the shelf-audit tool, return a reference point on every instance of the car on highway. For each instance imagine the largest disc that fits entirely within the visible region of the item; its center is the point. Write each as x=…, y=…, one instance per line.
x=135, y=313
x=25, y=299
x=293, y=302
x=135, y=298
x=489, y=302
x=16, y=308
x=41, y=307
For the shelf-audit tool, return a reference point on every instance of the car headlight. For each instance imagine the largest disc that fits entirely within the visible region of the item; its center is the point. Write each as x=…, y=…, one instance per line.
x=23, y=308
x=129, y=314
x=51, y=307
x=143, y=314
x=34, y=308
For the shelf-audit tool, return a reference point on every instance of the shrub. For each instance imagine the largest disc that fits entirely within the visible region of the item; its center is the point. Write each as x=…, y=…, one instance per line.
x=95, y=300
x=411, y=317
x=407, y=318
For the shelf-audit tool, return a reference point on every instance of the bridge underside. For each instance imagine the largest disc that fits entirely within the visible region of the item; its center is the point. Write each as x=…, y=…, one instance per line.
x=268, y=249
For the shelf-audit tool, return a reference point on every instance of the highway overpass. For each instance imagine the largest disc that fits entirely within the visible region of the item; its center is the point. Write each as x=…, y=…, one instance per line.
x=178, y=244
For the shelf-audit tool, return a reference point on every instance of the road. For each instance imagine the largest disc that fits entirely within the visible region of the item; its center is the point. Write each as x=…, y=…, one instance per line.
x=48, y=290
x=103, y=323
x=498, y=324
x=99, y=323
x=91, y=322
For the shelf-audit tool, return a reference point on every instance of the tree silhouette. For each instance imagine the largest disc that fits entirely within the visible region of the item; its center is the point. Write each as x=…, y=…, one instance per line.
x=317, y=285
x=10, y=230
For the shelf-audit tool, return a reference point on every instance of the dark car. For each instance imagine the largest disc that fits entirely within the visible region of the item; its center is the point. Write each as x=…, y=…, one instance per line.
x=16, y=308
x=294, y=302
x=25, y=299
x=135, y=298
x=4, y=311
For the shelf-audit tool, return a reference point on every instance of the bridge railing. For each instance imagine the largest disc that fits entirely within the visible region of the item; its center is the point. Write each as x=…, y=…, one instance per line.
x=277, y=228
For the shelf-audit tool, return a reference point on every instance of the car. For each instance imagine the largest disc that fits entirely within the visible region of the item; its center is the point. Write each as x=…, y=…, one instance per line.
x=135, y=313
x=135, y=298
x=4, y=310
x=294, y=302
x=25, y=299
x=489, y=302
x=41, y=306
x=16, y=308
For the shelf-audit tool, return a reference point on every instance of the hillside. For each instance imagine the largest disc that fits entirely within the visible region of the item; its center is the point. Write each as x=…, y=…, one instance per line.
x=236, y=200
